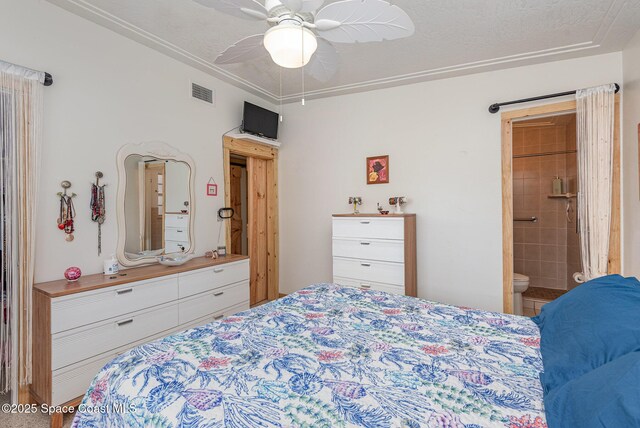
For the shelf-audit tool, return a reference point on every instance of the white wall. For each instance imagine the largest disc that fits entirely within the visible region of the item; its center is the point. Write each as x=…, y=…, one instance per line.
x=444, y=151
x=630, y=121
x=110, y=91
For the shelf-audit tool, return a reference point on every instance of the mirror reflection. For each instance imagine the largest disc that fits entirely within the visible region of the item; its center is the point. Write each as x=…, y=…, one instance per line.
x=156, y=206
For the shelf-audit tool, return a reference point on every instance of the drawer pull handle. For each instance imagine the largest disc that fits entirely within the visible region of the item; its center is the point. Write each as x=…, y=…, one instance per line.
x=180, y=231
x=125, y=322
x=218, y=294
x=365, y=243
x=219, y=317
x=365, y=264
x=124, y=291
x=365, y=222
x=365, y=286
x=218, y=270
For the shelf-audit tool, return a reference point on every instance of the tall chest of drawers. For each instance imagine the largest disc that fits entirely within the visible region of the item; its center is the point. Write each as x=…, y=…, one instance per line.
x=78, y=328
x=373, y=251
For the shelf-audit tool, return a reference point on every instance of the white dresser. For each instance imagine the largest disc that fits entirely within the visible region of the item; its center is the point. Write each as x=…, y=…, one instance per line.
x=373, y=251
x=176, y=233
x=80, y=327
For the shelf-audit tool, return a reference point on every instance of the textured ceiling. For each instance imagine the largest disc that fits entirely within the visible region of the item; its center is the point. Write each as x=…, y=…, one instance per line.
x=451, y=38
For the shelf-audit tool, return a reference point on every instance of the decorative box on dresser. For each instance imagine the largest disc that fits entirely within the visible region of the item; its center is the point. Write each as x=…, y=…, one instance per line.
x=81, y=326
x=375, y=251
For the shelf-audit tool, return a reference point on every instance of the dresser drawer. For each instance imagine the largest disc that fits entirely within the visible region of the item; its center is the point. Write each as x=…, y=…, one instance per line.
x=212, y=302
x=176, y=220
x=369, y=285
x=76, y=310
x=368, y=227
x=204, y=280
x=370, y=249
x=176, y=234
x=191, y=311
x=73, y=381
x=369, y=270
x=79, y=344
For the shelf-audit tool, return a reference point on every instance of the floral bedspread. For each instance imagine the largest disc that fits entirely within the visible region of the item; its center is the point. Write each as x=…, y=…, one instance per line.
x=330, y=356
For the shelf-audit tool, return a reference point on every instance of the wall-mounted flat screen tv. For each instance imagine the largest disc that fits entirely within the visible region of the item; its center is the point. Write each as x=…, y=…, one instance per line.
x=259, y=121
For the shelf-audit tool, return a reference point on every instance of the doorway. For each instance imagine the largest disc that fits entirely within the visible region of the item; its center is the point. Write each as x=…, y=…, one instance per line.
x=238, y=201
x=522, y=226
x=253, y=230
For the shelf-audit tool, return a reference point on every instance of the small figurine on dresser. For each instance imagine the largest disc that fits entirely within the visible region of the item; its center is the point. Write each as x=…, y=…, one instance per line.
x=398, y=201
x=72, y=274
x=355, y=201
x=381, y=210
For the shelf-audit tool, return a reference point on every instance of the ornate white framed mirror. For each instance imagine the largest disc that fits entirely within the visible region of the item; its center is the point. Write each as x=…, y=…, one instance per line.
x=155, y=202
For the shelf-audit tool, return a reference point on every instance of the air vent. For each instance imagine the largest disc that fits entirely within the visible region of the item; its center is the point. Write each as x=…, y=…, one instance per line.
x=201, y=93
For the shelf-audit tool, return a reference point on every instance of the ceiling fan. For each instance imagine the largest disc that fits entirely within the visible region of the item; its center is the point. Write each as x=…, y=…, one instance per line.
x=300, y=34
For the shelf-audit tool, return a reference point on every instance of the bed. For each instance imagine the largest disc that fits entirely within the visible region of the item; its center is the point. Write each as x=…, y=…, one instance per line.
x=330, y=356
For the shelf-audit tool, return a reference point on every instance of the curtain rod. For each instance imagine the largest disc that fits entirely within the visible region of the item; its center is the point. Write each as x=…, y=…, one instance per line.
x=494, y=108
x=48, y=78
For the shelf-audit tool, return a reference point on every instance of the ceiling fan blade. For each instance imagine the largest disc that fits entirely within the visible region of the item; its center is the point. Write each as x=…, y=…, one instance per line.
x=304, y=6
x=247, y=9
x=324, y=62
x=248, y=48
x=351, y=21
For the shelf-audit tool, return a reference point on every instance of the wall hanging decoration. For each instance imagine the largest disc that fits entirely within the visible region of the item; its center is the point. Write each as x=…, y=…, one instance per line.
x=378, y=169
x=355, y=201
x=72, y=274
x=212, y=187
x=97, y=205
x=67, y=211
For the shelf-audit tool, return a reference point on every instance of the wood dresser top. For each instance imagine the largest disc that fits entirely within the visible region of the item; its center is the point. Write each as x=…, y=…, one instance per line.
x=374, y=215
x=62, y=287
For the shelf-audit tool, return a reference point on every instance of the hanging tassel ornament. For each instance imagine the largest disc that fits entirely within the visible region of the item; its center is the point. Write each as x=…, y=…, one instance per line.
x=67, y=212
x=98, y=208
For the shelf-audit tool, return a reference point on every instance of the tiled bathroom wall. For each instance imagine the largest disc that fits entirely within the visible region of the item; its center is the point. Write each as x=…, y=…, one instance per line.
x=542, y=249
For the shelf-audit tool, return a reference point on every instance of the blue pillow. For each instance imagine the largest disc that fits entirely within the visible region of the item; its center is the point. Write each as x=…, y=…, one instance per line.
x=608, y=396
x=587, y=327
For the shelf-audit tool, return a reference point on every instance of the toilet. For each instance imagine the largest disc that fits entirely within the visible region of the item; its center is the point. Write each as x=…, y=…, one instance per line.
x=520, y=285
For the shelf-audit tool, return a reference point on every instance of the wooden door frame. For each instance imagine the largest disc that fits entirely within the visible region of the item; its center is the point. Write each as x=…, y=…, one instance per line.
x=253, y=149
x=507, y=119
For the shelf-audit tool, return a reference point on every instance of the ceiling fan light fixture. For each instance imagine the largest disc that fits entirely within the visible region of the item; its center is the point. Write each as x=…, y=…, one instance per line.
x=290, y=45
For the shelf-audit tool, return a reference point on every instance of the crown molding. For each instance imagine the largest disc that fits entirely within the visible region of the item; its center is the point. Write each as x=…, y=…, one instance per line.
x=510, y=61
x=120, y=26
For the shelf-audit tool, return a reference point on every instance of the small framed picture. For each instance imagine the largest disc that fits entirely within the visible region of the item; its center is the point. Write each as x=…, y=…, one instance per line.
x=378, y=169
x=212, y=189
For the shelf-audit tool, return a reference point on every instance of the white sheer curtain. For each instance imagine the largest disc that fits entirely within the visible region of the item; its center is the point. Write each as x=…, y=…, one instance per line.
x=21, y=111
x=595, y=114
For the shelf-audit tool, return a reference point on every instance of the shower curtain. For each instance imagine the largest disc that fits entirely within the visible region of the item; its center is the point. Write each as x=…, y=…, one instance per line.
x=595, y=117
x=21, y=111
